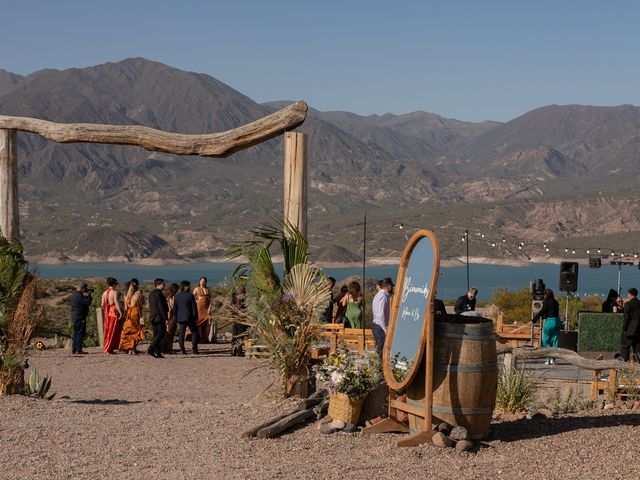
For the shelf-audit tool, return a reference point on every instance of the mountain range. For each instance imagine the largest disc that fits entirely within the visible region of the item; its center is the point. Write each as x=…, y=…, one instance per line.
x=560, y=174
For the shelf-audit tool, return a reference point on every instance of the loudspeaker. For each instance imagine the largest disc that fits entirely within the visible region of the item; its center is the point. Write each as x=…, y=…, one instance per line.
x=568, y=277
x=536, y=306
x=595, y=263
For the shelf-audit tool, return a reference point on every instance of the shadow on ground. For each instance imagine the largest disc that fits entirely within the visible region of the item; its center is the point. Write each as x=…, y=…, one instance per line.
x=528, y=429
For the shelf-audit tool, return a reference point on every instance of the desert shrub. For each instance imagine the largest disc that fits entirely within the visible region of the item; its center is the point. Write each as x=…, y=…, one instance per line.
x=516, y=305
x=516, y=390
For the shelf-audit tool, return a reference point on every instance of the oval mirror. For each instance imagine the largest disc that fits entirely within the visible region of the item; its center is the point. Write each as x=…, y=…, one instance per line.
x=408, y=322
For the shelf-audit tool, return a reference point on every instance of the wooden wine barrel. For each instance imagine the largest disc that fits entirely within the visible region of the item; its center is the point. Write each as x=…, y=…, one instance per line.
x=465, y=373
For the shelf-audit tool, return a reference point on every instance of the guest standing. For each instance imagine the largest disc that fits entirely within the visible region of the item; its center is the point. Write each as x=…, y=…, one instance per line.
x=353, y=303
x=380, y=306
x=111, y=313
x=338, y=316
x=80, y=301
x=185, y=312
x=238, y=301
x=466, y=303
x=550, y=312
x=158, y=316
x=327, y=316
x=610, y=302
x=631, y=325
x=203, y=301
x=166, y=345
x=132, y=331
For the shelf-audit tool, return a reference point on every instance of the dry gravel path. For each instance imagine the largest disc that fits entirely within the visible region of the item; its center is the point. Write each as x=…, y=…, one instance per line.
x=118, y=417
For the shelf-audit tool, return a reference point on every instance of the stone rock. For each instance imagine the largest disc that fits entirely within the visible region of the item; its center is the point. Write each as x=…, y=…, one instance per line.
x=546, y=412
x=619, y=403
x=172, y=402
x=327, y=429
x=349, y=428
x=338, y=424
x=600, y=404
x=326, y=419
x=630, y=404
x=609, y=406
x=636, y=405
x=441, y=440
x=464, y=445
x=444, y=427
x=533, y=414
x=459, y=433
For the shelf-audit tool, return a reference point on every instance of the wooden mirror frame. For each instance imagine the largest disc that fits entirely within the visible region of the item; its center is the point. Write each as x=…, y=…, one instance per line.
x=427, y=321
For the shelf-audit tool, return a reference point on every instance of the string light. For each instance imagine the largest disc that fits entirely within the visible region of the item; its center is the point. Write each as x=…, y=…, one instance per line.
x=493, y=242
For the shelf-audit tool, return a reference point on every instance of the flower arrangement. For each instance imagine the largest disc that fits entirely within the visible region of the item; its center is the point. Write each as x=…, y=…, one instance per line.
x=355, y=374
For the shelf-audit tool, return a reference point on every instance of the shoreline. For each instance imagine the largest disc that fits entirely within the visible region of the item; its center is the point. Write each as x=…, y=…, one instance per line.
x=371, y=262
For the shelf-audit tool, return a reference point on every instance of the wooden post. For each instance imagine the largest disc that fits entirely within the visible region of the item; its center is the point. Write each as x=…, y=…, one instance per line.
x=9, y=212
x=100, y=321
x=295, y=180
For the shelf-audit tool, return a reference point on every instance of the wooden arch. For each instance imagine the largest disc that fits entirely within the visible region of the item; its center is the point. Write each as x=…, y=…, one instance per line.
x=220, y=144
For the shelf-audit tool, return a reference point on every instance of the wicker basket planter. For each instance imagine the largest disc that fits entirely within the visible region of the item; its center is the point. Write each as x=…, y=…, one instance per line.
x=341, y=407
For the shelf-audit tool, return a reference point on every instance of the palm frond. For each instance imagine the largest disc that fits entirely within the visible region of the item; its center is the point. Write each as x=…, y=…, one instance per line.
x=308, y=288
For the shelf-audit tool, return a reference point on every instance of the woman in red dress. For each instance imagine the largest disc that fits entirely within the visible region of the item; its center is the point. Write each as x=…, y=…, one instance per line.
x=111, y=314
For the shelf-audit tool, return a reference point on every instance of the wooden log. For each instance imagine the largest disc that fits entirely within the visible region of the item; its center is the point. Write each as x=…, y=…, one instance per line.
x=206, y=145
x=314, y=399
x=569, y=356
x=9, y=206
x=252, y=432
x=286, y=423
x=296, y=180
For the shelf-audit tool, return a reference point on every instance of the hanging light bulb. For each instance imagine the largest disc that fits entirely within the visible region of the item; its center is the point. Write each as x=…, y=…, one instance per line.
x=519, y=247
x=482, y=235
x=493, y=244
x=566, y=250
x=462, y=239
x=573, y=251
x=504, y=240
x=613, y=254
x=588, y=251
x=622, y=254
x=599, y=251
x=546, y=249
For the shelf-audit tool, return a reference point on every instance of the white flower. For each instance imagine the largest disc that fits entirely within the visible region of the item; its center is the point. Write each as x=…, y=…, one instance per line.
x=336, y=378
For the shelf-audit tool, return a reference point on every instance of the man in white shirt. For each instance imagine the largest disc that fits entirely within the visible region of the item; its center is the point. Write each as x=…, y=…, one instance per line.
x=380, y=306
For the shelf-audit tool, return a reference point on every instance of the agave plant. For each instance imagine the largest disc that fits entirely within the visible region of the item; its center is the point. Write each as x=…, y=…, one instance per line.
x=38, y=387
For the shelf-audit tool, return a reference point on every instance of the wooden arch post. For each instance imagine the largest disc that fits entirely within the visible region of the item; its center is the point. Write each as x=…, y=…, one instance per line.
x=9, y=212
x=296, y=180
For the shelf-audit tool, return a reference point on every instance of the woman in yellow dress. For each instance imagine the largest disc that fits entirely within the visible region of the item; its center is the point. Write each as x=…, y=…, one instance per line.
x=203, y=301
x=132, y=331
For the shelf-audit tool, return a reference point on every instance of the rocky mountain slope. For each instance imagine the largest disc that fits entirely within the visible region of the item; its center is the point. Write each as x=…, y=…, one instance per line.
x=555, y=173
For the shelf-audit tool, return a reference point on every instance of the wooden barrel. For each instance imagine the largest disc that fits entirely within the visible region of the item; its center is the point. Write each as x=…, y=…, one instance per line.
x=465, y=373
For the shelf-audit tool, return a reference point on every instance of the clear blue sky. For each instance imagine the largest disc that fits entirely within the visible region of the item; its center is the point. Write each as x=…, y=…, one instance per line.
x=471, y=60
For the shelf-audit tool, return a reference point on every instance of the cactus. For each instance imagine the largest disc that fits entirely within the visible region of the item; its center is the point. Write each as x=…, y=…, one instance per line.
x=38, y=387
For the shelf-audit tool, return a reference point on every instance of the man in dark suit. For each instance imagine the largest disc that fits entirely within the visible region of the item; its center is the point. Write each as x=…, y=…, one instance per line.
x=631, y=325
x=185, y=313
x=158, y=316
x=80, y=301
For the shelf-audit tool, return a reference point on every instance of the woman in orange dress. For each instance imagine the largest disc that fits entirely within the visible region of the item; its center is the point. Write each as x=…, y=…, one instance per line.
x=167, y=341
x=203, y=301
x=132, y=331
x=111, y=314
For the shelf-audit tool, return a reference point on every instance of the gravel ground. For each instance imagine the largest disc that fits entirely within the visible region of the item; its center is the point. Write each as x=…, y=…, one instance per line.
x=121, y=417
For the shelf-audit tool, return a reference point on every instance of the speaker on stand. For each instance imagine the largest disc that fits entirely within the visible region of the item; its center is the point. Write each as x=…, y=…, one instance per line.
x=569, y=284
x=537, y=295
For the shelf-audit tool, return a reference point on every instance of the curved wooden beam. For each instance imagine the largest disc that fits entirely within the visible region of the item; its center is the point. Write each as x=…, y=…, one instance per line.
x=219, y=144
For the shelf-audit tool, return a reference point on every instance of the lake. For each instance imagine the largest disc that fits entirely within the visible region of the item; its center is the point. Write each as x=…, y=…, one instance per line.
x=452, y=282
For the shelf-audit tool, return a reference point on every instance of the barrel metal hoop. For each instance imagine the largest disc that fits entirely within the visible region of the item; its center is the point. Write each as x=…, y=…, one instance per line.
x=462, y=411
x=462, y=332
x=465, y=368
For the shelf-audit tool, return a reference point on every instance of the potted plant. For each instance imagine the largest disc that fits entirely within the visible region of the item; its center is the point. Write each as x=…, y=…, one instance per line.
x=350, y=377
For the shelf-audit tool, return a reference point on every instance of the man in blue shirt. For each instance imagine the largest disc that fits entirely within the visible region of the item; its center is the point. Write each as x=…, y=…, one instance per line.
x=380, y=306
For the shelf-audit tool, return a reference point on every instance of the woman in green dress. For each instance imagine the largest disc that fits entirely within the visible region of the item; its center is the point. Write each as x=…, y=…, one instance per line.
x=353, y=302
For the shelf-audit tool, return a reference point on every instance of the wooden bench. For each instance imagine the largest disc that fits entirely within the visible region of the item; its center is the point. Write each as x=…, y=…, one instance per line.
x=613, y=386
x=352, y=337
x=516, y=335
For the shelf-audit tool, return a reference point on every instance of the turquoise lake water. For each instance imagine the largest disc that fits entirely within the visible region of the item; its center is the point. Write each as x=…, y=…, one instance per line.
x=452, y=282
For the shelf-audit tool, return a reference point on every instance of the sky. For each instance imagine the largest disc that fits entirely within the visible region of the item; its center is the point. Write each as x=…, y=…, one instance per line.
x=470, y=60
